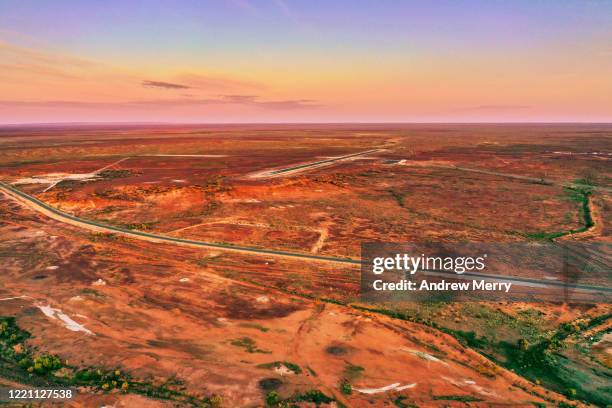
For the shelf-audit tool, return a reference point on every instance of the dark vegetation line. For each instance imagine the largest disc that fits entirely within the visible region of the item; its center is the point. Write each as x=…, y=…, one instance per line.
x=542, y=362
x=399, y=198
x=297, y=255
x=532, y=362
x=550, y=365
x=542, y=181
x=17, y=361
x=23, y=364
x=575, y=193
x=582, y=196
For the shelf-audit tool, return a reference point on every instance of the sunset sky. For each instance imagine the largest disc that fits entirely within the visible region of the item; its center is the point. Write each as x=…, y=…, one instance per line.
x=305, y=61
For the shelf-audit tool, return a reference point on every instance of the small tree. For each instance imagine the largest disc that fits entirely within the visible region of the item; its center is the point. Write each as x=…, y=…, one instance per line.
x=272, y=398
x=346, y=388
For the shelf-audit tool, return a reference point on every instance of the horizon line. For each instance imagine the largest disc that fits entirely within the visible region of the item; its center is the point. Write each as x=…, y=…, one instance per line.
x=173, y=123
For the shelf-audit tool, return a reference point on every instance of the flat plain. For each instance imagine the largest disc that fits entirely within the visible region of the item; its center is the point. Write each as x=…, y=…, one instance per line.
x=134, y=322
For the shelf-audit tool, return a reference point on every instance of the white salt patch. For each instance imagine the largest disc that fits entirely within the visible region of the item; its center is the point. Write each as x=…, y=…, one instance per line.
x=52, y=267
x=57, y=314
x=52, y=178
x=405, y=387
x=184, y=280
x=244, y=200
x=14, y=297
x=483, y=391
x=178, y=181
x=31, y=180
x=283, y=370
x=378, y=390
x=262, y=299
x=186, y=155
x=424, y=356
x=471, y=384
x=99, y=282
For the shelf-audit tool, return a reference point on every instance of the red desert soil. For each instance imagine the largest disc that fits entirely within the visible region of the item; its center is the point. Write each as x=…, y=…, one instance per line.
x=158, y=314
x=210, y=318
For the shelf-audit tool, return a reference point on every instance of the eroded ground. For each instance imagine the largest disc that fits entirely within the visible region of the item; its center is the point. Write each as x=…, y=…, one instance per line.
x=241, y=324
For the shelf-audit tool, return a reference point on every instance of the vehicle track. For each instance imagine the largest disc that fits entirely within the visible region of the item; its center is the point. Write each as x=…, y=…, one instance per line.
x=306, y=166
x=520, y=177
x=61, y=216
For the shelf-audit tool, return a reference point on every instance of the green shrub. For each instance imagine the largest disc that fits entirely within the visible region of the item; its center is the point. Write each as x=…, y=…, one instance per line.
x=272, y=398
x=46, y=364
x=346, y=387
x=314, y=396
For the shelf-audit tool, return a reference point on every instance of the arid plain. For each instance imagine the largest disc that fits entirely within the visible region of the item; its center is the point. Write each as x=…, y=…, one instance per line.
x=135, y=321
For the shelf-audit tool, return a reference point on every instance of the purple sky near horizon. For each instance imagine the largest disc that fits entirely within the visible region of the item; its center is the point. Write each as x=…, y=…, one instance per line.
x=305, y=61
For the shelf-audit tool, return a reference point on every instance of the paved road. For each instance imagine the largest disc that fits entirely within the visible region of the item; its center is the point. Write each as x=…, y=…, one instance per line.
x=61, y=216
x=314, y=164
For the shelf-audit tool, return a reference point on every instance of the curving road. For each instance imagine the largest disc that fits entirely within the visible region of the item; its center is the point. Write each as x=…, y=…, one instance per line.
x=61, y=216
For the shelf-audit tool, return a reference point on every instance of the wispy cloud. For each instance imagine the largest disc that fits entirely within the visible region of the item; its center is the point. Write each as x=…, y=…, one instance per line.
x=493, y=108
x=58, y=81
x=22, y=38
x=238, y=100
x=57, y=104
x=31, y=63
x=254, y=100
x=284, y=8
x=257, y=9
x=10, y=52
x=24, y=62
x=203, y=82
x=248, y=99
x=290, y=104
x=245, y=6
x=164, y=85
x=38, y=69
x=220, y=83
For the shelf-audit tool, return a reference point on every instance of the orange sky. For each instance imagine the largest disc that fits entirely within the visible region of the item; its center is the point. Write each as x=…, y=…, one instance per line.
x=277, y=62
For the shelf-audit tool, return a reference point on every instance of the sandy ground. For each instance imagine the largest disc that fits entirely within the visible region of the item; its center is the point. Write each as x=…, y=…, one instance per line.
x=149, y=321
